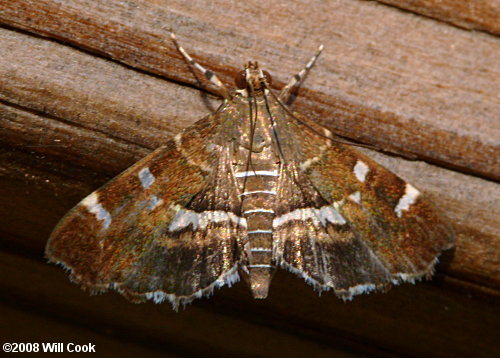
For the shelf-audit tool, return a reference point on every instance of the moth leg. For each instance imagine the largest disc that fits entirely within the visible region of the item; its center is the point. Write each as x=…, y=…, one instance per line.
x=285, y=92
x=209, y=75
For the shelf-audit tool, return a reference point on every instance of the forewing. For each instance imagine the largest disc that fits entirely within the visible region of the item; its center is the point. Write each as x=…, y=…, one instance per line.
x=369, y=229
x=149, y=234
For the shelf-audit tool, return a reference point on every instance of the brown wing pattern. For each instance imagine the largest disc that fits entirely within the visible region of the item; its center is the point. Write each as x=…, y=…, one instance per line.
x=369, y=229
x=153, y=231
x=313, y=240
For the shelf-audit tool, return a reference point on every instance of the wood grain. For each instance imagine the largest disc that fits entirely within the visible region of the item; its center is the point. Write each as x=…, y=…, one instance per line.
x=474, y=15
x=88, y=88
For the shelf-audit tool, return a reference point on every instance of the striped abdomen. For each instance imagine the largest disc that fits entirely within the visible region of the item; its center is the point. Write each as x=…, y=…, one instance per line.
x=258, y=200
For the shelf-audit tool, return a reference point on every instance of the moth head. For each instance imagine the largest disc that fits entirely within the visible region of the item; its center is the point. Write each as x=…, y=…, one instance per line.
x=253, y=79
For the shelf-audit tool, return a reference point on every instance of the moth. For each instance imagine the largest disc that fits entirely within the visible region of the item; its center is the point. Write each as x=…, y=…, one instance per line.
x=243, y=191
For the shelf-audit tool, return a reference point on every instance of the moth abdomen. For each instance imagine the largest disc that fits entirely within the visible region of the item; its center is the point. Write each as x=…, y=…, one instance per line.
x=258, y=184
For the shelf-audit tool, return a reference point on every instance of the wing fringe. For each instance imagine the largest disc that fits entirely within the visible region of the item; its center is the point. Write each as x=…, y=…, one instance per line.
x=363, y=288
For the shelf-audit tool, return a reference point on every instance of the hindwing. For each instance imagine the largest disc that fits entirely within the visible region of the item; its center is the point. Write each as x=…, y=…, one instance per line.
x=353, y=226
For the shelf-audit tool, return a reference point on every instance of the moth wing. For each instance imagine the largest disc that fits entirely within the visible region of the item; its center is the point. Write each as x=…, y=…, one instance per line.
x=355, y=226
x=154, y=231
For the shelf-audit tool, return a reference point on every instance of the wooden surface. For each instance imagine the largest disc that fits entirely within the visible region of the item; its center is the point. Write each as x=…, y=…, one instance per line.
x=87, y=88
x=473, y=15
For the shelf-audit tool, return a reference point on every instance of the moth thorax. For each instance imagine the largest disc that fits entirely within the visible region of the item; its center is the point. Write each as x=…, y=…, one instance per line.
x=259, y=142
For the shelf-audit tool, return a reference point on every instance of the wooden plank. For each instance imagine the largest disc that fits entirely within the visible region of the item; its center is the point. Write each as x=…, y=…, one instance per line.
x=292, y=322
x=473, y=15
x=20, y=325
x=405, y=84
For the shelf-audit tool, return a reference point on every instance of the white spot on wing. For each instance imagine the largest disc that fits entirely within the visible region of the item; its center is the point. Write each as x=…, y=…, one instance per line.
x=178, y=140
x=356, y=197
x=323, y=215
x=154, y=202
x=92, y=204
x=361, y=170
x=328, y=213
x=146, y=177
x=410, y=196
x=306, y=164
x=91, y=200
x=184, y=218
